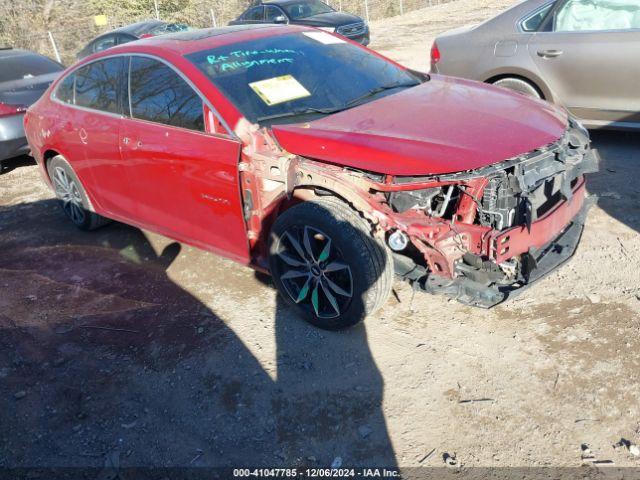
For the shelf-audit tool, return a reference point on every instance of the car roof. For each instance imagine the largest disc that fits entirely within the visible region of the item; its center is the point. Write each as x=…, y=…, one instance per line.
x=138, y=28
x=190, y=41
x=279, y=2
x=15, y=52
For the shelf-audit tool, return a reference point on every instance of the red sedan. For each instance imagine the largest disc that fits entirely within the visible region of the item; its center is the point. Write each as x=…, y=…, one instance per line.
x=303, y=154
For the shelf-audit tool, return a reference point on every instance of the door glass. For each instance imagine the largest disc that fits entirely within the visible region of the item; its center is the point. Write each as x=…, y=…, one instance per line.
x=97, y=85
x=64, y=91
x=159, y=94
x=533, y=22
x=104, y=43
x=272, y=13
x=594, y=15
x=255, y=14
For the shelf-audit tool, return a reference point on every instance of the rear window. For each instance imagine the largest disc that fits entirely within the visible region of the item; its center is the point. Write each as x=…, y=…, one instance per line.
x=26, y=66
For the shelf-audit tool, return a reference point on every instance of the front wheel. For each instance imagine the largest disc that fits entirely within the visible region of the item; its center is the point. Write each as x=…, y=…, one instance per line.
x=325, y=262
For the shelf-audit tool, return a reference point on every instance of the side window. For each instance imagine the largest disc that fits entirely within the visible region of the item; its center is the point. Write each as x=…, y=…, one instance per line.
x=271, y=13
x=64, y=91
x=104, y=43
x=597, y=15
x=98, y=84
x=158, y=94
x=255, y=14
x=122, y=38
x=533, y=22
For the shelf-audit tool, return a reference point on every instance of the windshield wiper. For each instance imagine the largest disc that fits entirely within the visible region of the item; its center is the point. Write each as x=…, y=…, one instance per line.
x=374, y=91
x=298, y=112
x=327, y=111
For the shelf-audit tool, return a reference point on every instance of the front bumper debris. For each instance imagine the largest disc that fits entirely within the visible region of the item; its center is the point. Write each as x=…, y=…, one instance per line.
x=540, y=262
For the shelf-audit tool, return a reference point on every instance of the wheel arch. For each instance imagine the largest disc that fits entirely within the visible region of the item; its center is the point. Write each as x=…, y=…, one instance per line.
x=46, y=158
x=50, y=154
x=526, y=76
x=309, y=192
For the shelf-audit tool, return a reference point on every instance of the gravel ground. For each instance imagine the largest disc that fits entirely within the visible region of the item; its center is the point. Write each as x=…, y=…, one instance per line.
x=121, y=348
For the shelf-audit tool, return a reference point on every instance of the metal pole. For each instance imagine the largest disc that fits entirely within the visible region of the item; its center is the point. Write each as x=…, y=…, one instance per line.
x=366, y=10
x=155, y=5
x=401, y=7
x=340, y=5
x=213, y=19
x=55, y=47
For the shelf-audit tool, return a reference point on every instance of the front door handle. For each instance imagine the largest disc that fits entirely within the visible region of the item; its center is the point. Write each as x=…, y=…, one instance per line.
x=549, y=53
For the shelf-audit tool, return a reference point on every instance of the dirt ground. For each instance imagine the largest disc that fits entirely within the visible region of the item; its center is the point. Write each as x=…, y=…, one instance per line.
x=120, y=348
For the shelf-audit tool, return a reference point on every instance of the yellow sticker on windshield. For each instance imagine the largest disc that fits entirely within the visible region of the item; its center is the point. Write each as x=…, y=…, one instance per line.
x=279, y=89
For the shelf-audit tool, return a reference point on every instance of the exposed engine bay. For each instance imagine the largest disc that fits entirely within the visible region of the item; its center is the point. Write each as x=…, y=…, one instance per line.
x=477, y=235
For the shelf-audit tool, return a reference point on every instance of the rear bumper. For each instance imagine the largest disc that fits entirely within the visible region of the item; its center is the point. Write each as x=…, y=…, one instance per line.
x=541, y=260
x=13, y=142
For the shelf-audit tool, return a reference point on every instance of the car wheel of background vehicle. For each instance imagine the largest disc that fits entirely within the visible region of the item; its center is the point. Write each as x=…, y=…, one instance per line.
x=325, y=262
x=519, y=86
x=71, y=195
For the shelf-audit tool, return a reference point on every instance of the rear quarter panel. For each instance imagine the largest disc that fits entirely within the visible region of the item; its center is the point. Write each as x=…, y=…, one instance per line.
x=494, y=48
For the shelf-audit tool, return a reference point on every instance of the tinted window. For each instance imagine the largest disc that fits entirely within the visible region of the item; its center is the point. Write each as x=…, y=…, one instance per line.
x=159, y=94
x=254, y=14
x=272, y=13
x=16, y=67
x=284, y=74
x=64, y=91
x=104, y=43
x=98, y=83
x=594, y=15
x=534, y=21
x=306, y=9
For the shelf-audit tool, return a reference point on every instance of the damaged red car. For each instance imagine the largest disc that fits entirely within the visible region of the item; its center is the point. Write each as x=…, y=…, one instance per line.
x=305, y=155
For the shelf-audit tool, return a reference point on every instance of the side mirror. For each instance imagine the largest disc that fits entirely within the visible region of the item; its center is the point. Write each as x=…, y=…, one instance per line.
x=280, y=19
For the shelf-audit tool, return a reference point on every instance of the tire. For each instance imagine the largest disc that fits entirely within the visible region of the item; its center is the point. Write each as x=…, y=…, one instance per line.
x=519, y=86
x=71, y=195
x=327, y=265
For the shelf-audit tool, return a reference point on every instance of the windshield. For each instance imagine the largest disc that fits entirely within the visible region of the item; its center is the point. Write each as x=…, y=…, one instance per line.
x=281, y=78
x=306, y=9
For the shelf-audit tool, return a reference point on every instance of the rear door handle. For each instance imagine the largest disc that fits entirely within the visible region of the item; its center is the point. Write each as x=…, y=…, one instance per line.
x=549, y=53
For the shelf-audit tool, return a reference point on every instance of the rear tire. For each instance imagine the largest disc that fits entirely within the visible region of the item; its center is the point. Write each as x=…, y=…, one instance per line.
x=519, y=86
x=72, y=196
x=326, y=264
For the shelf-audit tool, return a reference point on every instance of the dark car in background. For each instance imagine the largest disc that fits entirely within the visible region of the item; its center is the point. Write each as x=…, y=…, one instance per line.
x=24, y=76
x=581, y=54
x=310, y=13
x=129, y=33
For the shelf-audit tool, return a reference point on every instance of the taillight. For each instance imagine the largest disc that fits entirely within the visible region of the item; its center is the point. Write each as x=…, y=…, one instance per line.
x=435, y=53
x=8, y=110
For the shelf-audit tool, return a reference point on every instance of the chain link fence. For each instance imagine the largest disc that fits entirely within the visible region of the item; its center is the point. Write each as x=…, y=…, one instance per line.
x=73, y=23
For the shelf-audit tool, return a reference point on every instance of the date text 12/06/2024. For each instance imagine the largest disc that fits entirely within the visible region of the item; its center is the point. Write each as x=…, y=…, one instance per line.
x=315, y=473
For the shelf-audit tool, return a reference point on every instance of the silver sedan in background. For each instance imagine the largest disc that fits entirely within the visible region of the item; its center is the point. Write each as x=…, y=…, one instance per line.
x=24, y=76
x=581, y=54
